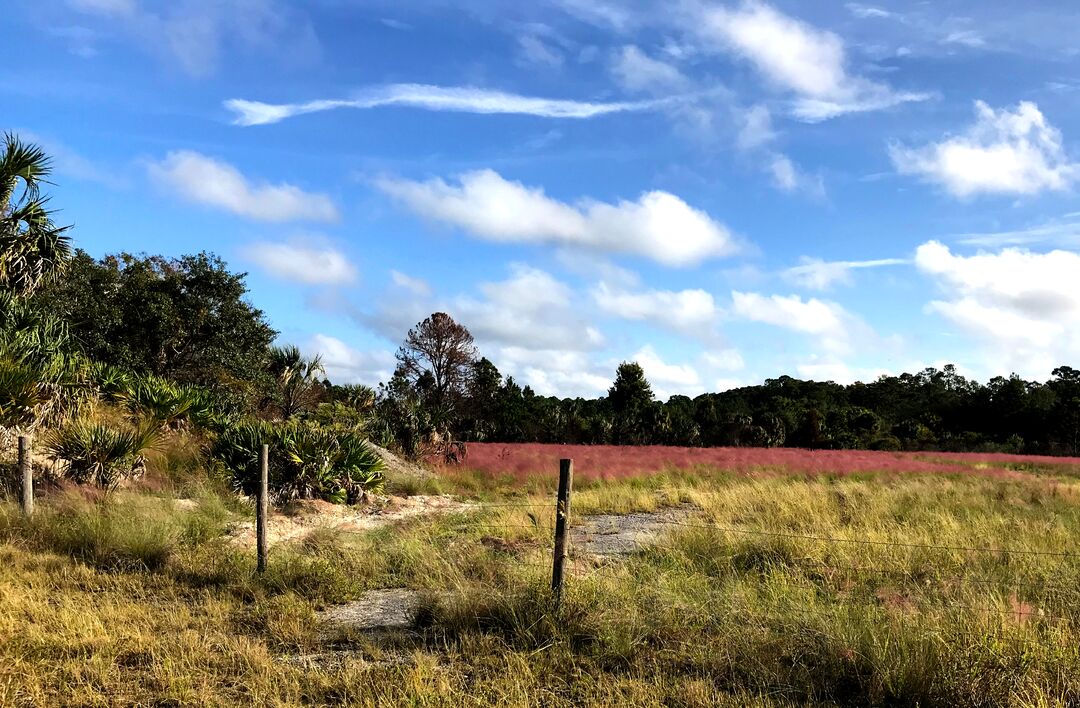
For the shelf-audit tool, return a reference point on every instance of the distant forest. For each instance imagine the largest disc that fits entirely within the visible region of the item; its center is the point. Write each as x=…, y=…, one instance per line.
x=188, y=320
x=442, y=385
x=929, y=410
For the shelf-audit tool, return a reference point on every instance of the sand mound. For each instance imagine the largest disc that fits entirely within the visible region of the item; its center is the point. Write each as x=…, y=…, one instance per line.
x=398, y=468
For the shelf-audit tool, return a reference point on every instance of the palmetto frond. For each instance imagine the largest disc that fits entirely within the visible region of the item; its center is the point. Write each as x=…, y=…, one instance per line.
x=23, y=163
x=32, y=247
x=101, y=454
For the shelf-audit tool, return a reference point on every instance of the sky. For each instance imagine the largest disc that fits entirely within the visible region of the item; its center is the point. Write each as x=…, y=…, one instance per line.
x=721, y=191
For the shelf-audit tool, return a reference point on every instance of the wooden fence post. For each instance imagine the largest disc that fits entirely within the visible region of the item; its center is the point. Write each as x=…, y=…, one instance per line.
x=26, y=475
x=262, y=506
x=562, y=521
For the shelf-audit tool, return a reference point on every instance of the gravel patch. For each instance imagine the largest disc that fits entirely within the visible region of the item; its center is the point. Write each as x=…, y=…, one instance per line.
x=393, y=608
x=622, y=534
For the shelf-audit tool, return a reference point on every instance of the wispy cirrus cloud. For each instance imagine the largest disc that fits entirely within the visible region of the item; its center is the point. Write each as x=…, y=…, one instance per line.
x=818, y=274
x=459, y=99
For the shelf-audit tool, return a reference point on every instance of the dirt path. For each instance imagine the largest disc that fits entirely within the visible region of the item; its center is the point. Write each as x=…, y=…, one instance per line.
x=601, y=536
x=622, y=534
x=300, y=519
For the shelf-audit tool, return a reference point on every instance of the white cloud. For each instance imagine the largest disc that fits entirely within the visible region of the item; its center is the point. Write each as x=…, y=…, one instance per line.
x=396, y=24
x=303, y=264
x=416, y=286
x=534, y=51
x=553, y=372
x=530, y=309
x=798, y=57
x=968, y=38
x=461, y=99
x=1060, y=231
x=667, y=379
x=789, y=178
x=193, y=34
x=1004, y=152
x=205, y=180
x=598, y=12
x=344, y=364
x=1024, y=306
x=658, y=225
x=756, y=129
x=864, y=12
x=817, y=274
x=636, y=71
x=827, y=321
x=831, y=369
x=724, y=360
x=693, y=311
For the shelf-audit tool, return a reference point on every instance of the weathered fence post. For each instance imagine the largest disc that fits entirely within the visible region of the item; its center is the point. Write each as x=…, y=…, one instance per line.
x=26, y=475
x=262, y=506
x=562, y=521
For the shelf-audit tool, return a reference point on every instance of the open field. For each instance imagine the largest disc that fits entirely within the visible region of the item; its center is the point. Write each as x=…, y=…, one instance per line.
x=524, y=460
x=838, y=587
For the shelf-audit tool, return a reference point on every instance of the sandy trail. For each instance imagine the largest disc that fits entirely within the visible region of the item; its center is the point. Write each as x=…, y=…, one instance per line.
x=300, y=519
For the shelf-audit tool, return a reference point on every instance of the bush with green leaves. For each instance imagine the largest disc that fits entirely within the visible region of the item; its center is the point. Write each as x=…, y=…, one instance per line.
x=101, y=454
x=171, y=405
x=306, y=461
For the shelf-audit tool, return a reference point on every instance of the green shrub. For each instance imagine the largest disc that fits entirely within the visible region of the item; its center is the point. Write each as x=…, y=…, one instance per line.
x=305, y=461
x=171, y=405
x=101, y=454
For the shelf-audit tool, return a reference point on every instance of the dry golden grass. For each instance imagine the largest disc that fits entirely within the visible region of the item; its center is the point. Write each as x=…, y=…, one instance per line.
x=137, y=602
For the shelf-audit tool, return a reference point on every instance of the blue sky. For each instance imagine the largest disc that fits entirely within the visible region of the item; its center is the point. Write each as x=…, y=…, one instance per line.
x=722, y=191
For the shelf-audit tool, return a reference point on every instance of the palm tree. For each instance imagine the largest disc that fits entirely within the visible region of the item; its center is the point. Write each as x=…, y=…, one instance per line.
x=32, y=248
x=296, y=379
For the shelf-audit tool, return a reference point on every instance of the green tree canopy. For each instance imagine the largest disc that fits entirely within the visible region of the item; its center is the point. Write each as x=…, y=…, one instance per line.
x=184, y=318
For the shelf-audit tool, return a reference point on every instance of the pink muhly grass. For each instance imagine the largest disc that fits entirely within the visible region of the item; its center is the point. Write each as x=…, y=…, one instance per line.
x=523, y=460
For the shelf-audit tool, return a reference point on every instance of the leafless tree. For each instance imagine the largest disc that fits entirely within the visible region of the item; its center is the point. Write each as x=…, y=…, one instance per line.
x=437, y=358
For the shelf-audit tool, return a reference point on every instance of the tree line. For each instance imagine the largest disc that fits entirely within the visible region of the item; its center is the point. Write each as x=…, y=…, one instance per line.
x=179, y=338
x=444, y=389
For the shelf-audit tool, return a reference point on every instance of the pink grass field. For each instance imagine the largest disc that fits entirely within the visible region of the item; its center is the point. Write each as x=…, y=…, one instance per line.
x=522, y=460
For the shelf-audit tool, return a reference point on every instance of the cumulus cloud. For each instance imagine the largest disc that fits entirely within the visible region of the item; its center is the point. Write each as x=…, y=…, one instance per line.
x=827, y=321
x=205, y=180
x=1025, y=306
x=303, y=264
x=692, y=310
x=529, y=309
x=345, y=364
x=667, y=379
x=461, y=99
x=818, y=274
x=658, y=225
x=1004, y=152
x=831, y=369
x=634, y=70
x=797, y=57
